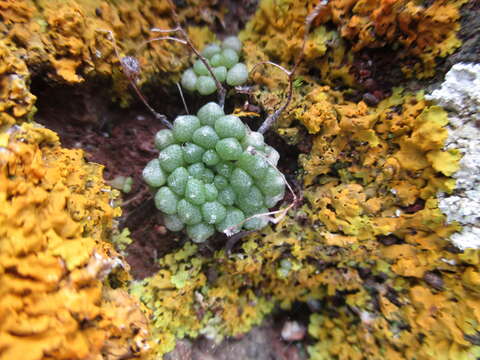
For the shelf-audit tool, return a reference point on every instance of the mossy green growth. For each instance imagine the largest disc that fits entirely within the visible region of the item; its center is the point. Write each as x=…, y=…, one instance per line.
x=224, y=62
x=213, y=174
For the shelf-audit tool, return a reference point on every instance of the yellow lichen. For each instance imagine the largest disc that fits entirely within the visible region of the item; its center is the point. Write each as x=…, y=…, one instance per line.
x=367, y=249
x=407, y=28
x=368, y=244
x=424, y=31
x=183, y=303
x=70, y=41
x=55, y=216
x=16, y=100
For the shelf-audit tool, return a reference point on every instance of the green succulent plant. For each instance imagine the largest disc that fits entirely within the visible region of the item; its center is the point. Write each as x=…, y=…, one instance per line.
x=212, y=174
x=224, y=61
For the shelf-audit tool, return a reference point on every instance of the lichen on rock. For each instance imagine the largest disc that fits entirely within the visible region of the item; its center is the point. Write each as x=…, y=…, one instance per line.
x=69, y=41
x=414, y=34
x=55, y=218
x=460, y=94
x=16, y=100
x=367, y=250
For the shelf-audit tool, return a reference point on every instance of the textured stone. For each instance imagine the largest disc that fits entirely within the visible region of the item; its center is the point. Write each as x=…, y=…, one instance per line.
x=460, y=94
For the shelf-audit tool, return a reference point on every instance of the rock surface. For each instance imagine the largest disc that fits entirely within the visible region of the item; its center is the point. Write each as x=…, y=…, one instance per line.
x=460, y=94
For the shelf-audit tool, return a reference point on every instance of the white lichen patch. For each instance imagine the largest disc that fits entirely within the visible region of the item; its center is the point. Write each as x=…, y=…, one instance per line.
x=460, y=95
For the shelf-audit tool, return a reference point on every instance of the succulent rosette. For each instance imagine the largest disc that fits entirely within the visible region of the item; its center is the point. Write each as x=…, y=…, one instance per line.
x=213, y=174
x=224, y=61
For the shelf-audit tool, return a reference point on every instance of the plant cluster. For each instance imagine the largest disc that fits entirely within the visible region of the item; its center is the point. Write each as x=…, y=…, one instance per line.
x=224, y=64
x=214, y=173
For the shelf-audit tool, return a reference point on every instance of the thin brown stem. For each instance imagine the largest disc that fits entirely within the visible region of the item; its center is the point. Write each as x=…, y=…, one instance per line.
x=171, y=38
x=183, y=98
x=232, y=240
x=165, y=30
x=269, y=63
x=111, y=37
x=162, y=118
x=308, y=23
x=131, y=69
x=139, y=213
x=136, y=197
x=271, y=119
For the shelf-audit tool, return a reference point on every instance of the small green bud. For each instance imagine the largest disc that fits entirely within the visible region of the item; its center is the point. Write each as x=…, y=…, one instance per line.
x=196, y=170
x=233, y=218
x=172, y=222
x=251, y=201
x=230, y=126
x=217, y=60
x=257, y=223
x=195, y=191
x=177, y=180
x=199, y=233
x=153, y=174
x=210, y=158
x=171, y=157
x=229, y=149
x=224, y=169
x=286, y=264
x=271, y=201
x=230, y=58
x=226, y=196
x=184, y=126
x=254, y=165
x=255, y=140
x=240, y=181
x=220, y=73
x=188, y=213
x=166, y=201
x=210, y=112
x=164, y=138
x=206, y=85
x=127, y=185
x=282, y=273
x=200, y=68
x=272, y=155
x=220, y=182
x=210, y=50
x=205, y=137
x=213, y=212
x=189, y=80
x=232, y=42
x=118, y=181
x=207, y=176
x=237, y=75
x=211, y=192
x=192, y=153
x=272, y=184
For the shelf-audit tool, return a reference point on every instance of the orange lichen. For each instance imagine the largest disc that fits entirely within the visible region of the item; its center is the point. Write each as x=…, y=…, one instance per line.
x=276, y=32
x=424, y=31
x=367, y=249
x=69, y=39
x=369, y=244
x=15, y=11
x=415, y=33
x=16, y=100
x=55, y=216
